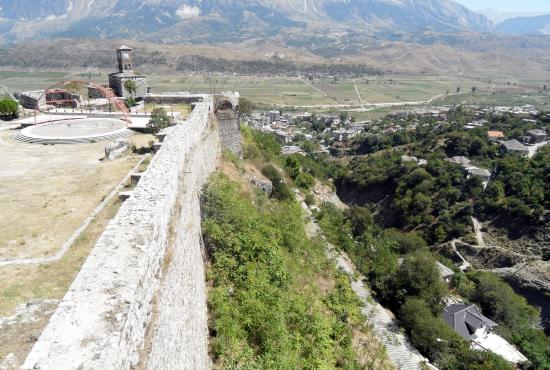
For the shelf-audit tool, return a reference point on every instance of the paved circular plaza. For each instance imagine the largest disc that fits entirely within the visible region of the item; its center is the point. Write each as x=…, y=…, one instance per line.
x=74, y=131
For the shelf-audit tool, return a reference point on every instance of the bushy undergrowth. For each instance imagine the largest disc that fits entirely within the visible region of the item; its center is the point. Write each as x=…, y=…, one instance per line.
x=412, y=288
x=402, y=272
x=267, y=308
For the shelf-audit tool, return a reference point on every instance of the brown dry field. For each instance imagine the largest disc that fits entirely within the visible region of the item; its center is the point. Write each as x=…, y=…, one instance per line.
x=46, y=193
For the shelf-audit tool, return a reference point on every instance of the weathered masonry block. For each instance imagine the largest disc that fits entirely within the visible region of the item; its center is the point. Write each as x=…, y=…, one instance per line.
x=225, y=107
x=139, y=301
x=226, y=110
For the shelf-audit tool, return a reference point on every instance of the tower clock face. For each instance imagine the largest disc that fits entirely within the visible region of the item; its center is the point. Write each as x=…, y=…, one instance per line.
x=125, y=55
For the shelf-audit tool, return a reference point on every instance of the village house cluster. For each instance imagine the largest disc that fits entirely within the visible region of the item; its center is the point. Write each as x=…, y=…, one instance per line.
x=329, y=130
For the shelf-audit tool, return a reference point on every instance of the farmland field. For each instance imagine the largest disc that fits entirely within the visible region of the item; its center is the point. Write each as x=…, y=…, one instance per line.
x=268, y=92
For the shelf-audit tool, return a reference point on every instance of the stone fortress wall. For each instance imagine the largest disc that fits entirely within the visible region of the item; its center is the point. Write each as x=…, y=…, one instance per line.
x=139, y=301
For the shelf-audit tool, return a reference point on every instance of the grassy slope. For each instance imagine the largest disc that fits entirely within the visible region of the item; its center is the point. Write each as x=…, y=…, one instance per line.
x=275, y=300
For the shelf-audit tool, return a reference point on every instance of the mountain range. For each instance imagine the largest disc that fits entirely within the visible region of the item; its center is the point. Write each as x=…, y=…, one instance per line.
x=539, y=25
x=436, y=36
x=200, y=21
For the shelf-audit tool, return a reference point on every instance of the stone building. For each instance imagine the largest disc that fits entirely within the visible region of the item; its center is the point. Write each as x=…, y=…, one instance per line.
x=514, y=146
x=58, y=98
x=31, y=99
x=96, y=93
x=125, y=73
x=537, y=136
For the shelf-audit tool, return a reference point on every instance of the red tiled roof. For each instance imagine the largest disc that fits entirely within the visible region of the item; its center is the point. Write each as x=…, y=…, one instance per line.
x=495, y=133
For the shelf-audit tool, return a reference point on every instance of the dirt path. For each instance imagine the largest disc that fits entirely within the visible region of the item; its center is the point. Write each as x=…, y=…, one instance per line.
x=314, y=88
x=357, y=91
x=477, y=230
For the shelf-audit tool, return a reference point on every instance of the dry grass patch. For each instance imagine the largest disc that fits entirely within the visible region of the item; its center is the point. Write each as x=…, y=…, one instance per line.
x=21, y=284
x=371, y=354
x=141, y=142
x=49, y=190
x=183, y=109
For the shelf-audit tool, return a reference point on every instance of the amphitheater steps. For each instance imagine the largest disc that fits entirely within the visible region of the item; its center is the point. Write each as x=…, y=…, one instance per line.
x=45, y=141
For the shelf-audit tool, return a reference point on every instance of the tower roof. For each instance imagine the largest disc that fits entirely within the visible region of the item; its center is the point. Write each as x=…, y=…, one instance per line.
x=124, y=47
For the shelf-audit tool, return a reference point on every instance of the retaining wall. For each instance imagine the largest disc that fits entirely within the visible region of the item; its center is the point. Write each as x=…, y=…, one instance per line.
x=139, y=300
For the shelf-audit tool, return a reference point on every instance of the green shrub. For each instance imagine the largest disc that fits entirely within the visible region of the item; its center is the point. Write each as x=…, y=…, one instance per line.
x=281, y=191
x=9, y=108
x=304, y=181
x=130, y=103
x=159, y=120
x=233, y=158
x=309, y=199
x=265, y=311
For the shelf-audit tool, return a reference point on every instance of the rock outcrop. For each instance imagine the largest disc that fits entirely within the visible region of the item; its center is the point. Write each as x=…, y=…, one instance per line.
x=117, y=149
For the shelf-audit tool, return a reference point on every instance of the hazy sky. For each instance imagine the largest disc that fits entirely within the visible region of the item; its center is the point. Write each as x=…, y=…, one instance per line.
x=508, y=5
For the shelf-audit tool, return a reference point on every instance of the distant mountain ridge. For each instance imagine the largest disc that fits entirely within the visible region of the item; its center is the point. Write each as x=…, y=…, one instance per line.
x=539, y=25
x=497, y=17
x=199, y=21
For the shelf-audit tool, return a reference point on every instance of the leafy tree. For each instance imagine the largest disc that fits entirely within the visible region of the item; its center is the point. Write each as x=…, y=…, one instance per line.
x=293, y=166
x=418, y=276
x=408, y=242
x=130, y=86
x=308, y=147
x=245, y=106
x=499, y=301
x=9, y=108
x=360, y=218
x=318, y=126
x=159, y=120
x=343, y=117
x=518, y=320
x=429, y=333
x=375, y=256
x=442, y=345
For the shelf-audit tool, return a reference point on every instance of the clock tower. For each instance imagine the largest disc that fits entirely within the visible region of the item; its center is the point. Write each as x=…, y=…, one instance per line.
x=125, y=60
x=125, y=73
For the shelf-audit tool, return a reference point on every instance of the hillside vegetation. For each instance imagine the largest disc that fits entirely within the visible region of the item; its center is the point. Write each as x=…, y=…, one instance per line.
x=275, y=300
x=439, y=198
x=403, y=273
x=401, y=212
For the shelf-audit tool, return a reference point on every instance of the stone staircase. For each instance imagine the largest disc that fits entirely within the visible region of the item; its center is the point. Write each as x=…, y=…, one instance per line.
x=401, y=353
x=85, y=140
